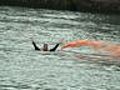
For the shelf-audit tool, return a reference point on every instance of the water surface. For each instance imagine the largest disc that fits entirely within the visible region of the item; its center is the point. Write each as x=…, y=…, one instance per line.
x=23, y=68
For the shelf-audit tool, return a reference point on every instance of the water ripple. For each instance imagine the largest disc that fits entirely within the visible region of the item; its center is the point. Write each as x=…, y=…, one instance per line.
x=22, y=68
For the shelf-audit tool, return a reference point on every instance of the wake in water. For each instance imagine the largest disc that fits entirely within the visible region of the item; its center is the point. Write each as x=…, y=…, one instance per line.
x=112, y=49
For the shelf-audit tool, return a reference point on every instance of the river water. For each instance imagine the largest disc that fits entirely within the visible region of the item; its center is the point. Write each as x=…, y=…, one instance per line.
x=23, y=68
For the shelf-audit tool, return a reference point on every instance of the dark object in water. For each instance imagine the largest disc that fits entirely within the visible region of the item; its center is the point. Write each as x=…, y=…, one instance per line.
x=35, y=46
x=45, y=47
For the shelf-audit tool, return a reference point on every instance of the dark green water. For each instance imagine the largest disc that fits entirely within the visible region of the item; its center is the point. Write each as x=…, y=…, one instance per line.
x=23, y=68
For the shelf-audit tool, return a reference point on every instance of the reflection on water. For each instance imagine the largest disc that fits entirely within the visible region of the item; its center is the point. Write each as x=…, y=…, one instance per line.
x=22, y=68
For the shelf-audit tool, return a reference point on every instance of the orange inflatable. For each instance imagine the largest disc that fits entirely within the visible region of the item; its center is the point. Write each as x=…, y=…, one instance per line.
x=113, y=49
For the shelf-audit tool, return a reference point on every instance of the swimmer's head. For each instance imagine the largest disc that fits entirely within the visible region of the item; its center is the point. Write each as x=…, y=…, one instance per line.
x=45, y=47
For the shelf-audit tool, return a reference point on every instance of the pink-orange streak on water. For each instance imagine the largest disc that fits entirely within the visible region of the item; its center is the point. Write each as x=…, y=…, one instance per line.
x=79, y=43
x=113, y=49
